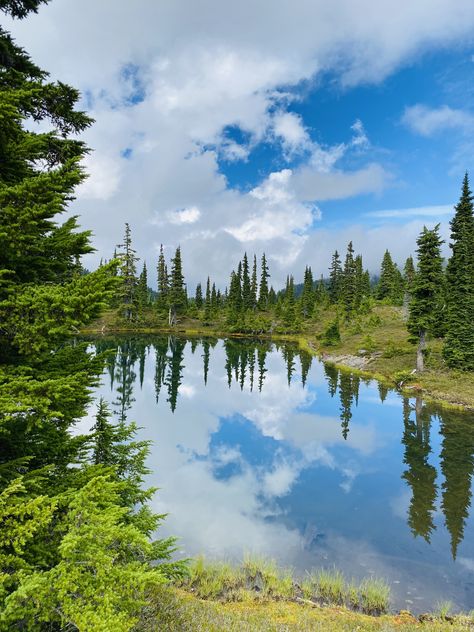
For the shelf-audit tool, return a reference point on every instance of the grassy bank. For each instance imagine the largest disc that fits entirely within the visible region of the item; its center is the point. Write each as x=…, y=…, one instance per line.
x=257, y=596
x=375, y=345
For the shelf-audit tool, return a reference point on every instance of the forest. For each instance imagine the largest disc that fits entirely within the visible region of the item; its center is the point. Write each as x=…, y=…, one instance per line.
x=76, y=538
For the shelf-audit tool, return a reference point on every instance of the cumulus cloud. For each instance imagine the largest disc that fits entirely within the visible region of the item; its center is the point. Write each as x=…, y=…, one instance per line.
x=165, y=81
x=428, y=121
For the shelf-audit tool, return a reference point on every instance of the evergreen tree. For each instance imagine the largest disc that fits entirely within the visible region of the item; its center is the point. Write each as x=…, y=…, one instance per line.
x=163, y=282
x=128, y=276
x=177, y=290
x=214, y=299
x=307, y=295
x=198, y=297
x=207, y=303
x=263, y=298
x=254, y=284
x=246, y=286
x=425, y=303
x=459, y=345
x=335, y=278
x=349, y=289
x=142, y=290
x=386, y=282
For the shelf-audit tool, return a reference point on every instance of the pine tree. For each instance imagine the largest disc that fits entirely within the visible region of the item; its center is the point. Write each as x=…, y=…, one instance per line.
x=424, y=306
x=253, y=284
x=349, y=282
x=459, y=344
x=207, y=302
x=214, y=299
x=335, y=278
x=246, y=287
x=307, y=295
x=128, y=276
x=198, y=297
x=163, y=282
x=142, y=290
x=177, y=290
x=263, y=298
x=385, y=285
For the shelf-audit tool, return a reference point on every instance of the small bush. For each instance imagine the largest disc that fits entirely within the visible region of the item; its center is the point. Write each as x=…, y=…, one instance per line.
x=331, y=335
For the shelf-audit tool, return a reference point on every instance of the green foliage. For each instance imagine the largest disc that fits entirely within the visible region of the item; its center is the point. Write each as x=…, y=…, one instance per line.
x=331, y=335
x=459, y=345
x=100, y=580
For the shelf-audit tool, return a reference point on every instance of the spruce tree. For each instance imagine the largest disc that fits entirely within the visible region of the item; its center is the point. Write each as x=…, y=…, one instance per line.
x=307, y=295
x=177, y=290
x=427, y=286
x=263, y=289
x=349, y=281
x=459, y=344
x=254, y=284
x=246, y=286
x=335, y=278
x=386, y=281
x=198, y=297
x=142, y=290
x=163, y=282
x=128, y=276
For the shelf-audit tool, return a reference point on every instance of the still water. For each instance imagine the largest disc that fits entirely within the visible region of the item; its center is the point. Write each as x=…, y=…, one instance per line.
x=259, y=448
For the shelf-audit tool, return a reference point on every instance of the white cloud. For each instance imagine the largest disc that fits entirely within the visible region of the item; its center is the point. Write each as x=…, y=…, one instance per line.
x=184, y=216
x=418, y=211
x=194, y=71
x=428, y=121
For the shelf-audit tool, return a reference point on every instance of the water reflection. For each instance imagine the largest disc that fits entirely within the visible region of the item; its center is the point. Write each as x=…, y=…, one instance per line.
x=259, y=446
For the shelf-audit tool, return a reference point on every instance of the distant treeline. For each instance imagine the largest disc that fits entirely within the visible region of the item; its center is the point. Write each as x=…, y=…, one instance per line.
x=438, y=300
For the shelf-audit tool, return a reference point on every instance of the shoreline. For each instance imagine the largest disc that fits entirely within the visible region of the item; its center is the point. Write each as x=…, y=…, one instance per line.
x=357, y=364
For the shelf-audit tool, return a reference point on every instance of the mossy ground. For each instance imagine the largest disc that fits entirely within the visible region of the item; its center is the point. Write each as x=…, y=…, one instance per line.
x=176, y=610
x=381, y=334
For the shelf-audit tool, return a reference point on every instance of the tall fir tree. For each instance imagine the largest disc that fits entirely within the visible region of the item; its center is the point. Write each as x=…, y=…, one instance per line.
x=128, y=275
x=254, y=284
x=162, y=282
x=307, y=295
x=427, y=291
x=459, y=343
x=198, y=296
x=349, y=282
x=177, y=289
x=246, y=285
x=335, y=278
x=263, y=288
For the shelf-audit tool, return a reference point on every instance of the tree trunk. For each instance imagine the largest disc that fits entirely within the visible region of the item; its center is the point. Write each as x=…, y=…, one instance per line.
x=420, y=358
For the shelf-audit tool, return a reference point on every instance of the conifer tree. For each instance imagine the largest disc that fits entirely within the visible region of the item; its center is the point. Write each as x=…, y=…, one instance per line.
x=335, y=278
x=142, y=290
x=246, y=286
x=307, y=295
x=459, y=344
x=177, y=290
x=385, y=285
x=263, y=298
x=207, y=302
x=163, y=281
x=214, y=299
x=128, y=276
x=424, y=305
x=254, y=284
x=349, y=281
x=198, y=297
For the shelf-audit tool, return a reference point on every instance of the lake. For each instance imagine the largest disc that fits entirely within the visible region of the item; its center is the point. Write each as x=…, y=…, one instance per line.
x=260, y=448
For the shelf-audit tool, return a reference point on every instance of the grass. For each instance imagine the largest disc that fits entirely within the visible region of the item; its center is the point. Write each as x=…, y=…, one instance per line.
x=260, y=580
x=176, y=610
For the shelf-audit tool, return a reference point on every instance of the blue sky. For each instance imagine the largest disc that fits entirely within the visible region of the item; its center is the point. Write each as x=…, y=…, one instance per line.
x=265, y=126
